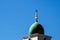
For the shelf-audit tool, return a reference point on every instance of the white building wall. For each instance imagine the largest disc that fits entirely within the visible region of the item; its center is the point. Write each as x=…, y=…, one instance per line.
x=34, y=38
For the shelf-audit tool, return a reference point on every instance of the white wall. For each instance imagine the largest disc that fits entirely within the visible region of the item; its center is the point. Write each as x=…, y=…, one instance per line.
x=34, y=38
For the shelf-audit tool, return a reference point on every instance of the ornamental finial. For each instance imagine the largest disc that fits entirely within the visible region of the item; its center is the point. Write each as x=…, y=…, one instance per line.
x=36, y=16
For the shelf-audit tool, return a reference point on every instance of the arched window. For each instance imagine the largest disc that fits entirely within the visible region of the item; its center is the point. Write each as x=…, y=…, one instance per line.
x=29, y=38
x=44, y=38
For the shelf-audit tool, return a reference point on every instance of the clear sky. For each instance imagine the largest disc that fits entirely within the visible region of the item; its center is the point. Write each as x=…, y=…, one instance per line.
x=16, y=16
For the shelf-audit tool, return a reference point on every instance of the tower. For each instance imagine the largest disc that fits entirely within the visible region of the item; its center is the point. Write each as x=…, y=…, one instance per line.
x=36, y=31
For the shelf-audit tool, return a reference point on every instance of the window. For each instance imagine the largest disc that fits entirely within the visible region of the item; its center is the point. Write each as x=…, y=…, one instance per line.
x=44, y=38
x=29, y=38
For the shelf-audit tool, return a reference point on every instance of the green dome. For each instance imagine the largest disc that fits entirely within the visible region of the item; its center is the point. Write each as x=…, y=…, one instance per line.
x=36, y=28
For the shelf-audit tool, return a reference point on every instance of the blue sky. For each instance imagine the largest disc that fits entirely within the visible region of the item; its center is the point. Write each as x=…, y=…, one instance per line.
x=16, y=16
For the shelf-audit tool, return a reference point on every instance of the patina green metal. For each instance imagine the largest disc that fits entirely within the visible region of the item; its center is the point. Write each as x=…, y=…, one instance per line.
x=36, y=28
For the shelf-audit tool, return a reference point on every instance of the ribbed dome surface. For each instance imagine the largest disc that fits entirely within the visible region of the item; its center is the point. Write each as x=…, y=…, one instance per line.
x=36, y=28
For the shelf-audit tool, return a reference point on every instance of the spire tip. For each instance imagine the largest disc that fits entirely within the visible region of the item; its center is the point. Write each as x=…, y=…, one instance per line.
x=36, y=15
x=36, y=10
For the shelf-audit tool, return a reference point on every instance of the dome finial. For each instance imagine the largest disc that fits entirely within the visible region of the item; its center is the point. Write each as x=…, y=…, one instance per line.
x=36, y=16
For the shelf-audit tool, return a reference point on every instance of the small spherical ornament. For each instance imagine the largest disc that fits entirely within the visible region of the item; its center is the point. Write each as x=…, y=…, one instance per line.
x=36, y=18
